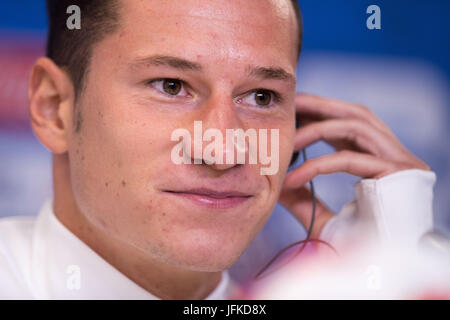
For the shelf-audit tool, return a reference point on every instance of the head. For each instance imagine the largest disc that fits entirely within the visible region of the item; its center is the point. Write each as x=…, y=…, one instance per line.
x=108, y=97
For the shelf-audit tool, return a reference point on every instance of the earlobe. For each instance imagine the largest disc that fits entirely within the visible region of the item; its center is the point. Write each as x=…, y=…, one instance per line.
x=51, y=99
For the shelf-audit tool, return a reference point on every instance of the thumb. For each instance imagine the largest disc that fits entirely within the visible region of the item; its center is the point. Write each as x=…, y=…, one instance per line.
x=299, y=202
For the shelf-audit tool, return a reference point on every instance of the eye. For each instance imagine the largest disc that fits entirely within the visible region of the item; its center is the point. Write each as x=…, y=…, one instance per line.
x=171, y=87
x=261, y=98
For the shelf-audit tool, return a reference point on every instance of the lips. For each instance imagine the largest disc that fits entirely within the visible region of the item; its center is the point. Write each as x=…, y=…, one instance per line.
x=212, y=199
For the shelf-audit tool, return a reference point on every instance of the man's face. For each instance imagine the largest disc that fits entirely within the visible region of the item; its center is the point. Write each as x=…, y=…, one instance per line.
x=122, y=175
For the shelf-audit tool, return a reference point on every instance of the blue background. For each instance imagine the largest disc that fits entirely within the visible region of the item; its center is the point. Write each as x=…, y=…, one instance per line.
x=414, y=34
x=417, y=28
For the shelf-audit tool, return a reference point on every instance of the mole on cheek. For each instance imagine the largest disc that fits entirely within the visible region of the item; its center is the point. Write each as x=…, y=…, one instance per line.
x=102, y=223
x=124, y=183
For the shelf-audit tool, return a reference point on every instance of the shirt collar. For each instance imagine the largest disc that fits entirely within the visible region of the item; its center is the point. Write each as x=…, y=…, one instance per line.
x=64, y=267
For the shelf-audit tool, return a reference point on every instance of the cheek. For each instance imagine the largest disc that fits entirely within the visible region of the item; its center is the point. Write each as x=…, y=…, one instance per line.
x=284, y=148
x=120, y=156
x=110, y=162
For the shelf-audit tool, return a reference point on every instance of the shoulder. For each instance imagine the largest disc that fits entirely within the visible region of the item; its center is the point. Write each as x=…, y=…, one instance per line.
x=16, y=234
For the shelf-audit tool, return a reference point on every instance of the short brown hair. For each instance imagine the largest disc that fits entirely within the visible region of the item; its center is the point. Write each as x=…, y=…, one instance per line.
x=72, y=49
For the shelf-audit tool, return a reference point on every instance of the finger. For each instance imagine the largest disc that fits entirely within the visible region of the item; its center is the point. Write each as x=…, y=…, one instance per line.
x=361, y=134
x=327, y=108
x=299, y=202
x=355, y=163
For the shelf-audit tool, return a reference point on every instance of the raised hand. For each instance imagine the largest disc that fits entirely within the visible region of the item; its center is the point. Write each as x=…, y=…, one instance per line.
x=365, y=147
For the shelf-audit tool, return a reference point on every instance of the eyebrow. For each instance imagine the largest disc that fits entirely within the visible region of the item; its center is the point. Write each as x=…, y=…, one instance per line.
x=266, y=73
x=271, y=73
x=174, y=62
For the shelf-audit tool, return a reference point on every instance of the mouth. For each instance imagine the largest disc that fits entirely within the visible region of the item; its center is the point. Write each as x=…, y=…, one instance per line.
x=212, y=199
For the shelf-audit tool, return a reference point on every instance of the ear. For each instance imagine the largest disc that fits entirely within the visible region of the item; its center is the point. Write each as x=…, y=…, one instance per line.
x=51, y=97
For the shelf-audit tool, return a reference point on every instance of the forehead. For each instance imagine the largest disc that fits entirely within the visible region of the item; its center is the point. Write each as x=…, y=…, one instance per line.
x=238, y=29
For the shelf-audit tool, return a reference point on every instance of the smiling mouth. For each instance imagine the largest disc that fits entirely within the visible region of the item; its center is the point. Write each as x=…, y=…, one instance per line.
x=212, y=199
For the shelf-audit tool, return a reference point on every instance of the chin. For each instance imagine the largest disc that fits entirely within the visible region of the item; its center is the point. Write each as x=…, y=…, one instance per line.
x=209, y=258
x=210, y=265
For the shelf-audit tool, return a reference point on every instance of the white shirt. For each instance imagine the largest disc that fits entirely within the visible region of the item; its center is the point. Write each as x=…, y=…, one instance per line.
x=397, y=208
x=41, y=259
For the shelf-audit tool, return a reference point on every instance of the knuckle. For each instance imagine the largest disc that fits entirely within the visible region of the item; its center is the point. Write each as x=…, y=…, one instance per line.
x=412, y=165
x=400, y=166
x=307, y=164
x=351, y=131
x=356, y=125
x=345, y=153
x=365, y=109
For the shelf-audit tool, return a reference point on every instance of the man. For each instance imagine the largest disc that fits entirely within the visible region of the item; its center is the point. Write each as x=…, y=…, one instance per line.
x=125, y=220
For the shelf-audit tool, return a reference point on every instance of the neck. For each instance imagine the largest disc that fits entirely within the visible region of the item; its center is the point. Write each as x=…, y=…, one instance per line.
x=160, y=279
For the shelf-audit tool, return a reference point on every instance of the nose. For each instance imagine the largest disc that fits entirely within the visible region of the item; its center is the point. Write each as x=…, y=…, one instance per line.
x=214, y=143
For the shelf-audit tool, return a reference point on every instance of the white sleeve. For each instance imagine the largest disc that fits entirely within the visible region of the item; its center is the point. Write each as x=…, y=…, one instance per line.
x=397, y=207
